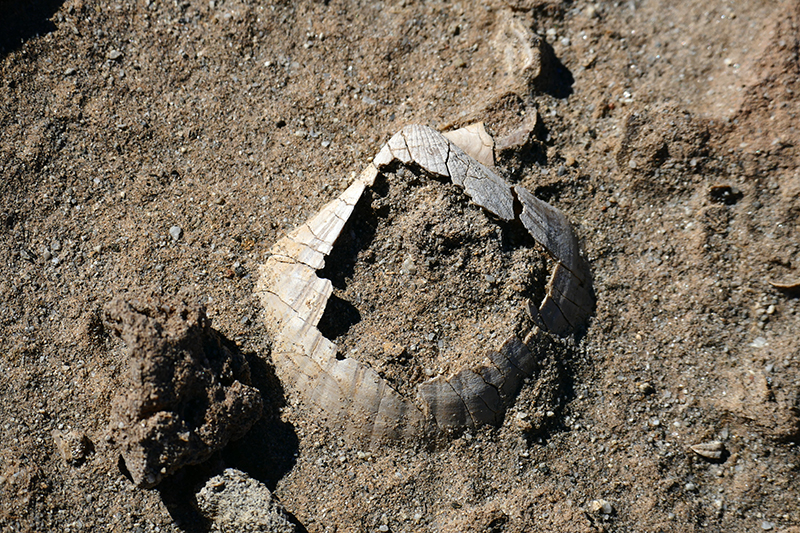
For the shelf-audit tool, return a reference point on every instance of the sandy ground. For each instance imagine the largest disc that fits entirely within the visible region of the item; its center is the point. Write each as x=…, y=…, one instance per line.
x=668, y=136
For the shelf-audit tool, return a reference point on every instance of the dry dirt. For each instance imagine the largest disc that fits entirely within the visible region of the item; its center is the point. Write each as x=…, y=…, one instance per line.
x=668, y=136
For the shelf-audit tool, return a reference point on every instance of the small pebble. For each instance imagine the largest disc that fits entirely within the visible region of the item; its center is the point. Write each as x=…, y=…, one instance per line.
x=239, y=270
x=759, y=342
x=383, y=528
x=690, y=487
x=523, y=421
x=601, y=506
x=408, y=266
x=767, y=526
x=646, y=388
x=113, y=55
x=175, y=232
x=710, y=450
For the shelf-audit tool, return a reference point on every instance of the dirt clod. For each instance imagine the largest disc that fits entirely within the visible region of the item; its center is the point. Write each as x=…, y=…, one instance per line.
x=189, y=393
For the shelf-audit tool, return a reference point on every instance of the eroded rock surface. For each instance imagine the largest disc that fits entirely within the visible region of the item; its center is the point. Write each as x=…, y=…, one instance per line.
x=189, y=393
x=233, y=501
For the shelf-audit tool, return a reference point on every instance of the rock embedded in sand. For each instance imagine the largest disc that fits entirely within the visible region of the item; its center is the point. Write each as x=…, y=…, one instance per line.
x=189, y=393
x=233, y=501
x=73, y=446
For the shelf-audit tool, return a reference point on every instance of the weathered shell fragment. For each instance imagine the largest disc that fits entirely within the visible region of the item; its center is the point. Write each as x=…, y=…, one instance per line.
x=349, y=395
x=713, y=450
x=475, y=142
x=790, y=287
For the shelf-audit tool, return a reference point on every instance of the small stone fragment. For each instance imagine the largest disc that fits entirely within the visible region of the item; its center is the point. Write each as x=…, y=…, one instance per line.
x=527, y=58
x=519, y=138
x=233, y=501
x=601, y=506
x=523, y=421
x=113, y=55
x=759, y=342
x=175, y=232
x=73, y=446
x=394, y=350
x=710, y=450
x=646, y=388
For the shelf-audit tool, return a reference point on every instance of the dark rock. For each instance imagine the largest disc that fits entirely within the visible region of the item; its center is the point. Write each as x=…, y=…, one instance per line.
x=190, y=392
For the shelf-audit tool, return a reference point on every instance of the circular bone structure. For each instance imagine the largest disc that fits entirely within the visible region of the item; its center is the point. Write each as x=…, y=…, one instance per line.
x=350, y=395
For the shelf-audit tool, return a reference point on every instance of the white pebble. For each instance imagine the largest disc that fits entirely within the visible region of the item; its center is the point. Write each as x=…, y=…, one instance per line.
x=602, y=506
x=175, y=232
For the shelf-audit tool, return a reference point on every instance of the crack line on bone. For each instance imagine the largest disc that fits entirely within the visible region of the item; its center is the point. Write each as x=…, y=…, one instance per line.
x=463, y=401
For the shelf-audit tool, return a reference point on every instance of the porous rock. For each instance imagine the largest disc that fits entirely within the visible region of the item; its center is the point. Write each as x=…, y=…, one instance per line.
x=189, y=393
x=233, y=501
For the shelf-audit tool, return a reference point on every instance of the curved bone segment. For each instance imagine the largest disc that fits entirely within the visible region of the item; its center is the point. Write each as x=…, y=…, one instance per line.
x=550, y=228
x=482, y=400
x=519, y=355
x=434, y=153
x=350, y=395
x=443, y=404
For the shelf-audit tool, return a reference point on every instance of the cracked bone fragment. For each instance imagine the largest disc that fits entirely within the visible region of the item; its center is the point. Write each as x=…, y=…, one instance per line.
x=475, y=142
x=350, y=396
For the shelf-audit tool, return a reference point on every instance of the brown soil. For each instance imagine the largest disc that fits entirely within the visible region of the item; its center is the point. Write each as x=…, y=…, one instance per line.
x=668, y=136
x=426, y=283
